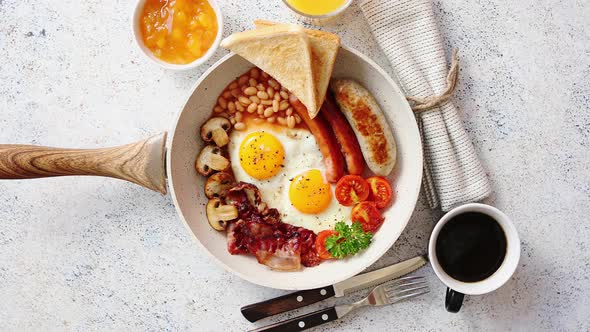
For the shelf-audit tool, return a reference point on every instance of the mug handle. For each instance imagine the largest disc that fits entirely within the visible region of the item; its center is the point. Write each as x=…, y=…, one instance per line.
x=454, y=300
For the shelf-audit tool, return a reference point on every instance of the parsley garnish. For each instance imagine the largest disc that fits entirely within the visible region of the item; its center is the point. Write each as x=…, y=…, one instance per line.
x=349, y=241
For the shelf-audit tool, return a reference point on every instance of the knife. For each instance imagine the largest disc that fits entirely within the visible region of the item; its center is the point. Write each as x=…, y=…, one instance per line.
x=257, y=311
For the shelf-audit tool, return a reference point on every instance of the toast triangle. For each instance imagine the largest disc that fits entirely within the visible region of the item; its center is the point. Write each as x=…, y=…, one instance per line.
x=324, y=49
x=284, y=53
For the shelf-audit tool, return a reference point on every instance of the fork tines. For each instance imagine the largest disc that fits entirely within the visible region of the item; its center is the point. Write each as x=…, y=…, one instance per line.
x=404, y=288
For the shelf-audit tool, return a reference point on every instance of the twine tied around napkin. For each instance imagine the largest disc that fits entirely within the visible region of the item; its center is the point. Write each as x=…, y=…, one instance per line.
x=407, y=32
x=427, y=103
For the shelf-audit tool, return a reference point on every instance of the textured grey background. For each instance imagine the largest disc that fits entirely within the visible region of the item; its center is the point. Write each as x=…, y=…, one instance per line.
x=86, y=254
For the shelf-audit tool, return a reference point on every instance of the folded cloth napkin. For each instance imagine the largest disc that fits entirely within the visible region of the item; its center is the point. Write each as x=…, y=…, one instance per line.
x=407, y=33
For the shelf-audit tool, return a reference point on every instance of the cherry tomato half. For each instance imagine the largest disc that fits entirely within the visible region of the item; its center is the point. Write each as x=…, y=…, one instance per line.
x=351, y=189
x=381, y=192
x=368, y=215
x=320, y=243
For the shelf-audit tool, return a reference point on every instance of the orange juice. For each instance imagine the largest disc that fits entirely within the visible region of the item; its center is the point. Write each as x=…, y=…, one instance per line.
x=317, y=7
x=178, y=31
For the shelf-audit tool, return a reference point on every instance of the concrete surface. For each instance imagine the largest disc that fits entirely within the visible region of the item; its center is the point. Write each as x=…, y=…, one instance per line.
x=86, y=254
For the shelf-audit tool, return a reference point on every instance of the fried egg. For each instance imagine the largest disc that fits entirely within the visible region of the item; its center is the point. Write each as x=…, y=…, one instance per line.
x=288, y=168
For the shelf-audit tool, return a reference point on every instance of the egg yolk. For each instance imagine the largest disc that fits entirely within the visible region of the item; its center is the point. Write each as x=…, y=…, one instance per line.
x=309, y=193
x=261, y=155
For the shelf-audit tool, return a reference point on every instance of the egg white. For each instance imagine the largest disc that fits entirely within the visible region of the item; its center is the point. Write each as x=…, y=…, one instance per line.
x=302, y=153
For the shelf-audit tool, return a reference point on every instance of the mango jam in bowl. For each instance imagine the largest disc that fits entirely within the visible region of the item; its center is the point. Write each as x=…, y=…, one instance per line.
x=178, y=34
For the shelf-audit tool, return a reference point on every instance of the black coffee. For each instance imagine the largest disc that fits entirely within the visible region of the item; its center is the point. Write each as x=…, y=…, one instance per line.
x=471, y=246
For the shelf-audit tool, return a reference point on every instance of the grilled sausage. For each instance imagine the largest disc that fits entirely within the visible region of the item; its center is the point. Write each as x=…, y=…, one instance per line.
x=349, y=145
x=369, y=124
x=320, y=129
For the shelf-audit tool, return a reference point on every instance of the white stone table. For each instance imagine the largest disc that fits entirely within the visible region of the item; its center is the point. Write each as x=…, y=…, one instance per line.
x=85, y=254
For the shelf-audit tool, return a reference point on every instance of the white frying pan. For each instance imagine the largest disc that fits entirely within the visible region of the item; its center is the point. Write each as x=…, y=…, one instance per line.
x=149, y=162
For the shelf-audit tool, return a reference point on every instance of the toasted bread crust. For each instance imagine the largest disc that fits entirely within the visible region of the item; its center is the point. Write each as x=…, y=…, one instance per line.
x=324, y=49
x=283, y=52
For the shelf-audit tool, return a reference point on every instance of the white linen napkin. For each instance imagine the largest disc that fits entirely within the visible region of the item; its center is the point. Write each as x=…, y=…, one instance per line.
x=407, y=33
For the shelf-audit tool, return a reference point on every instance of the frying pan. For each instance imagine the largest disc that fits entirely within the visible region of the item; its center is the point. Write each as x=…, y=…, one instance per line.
x=151, y=162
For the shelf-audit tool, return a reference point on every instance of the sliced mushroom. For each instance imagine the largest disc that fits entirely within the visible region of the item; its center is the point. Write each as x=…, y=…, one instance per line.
x=218, y=214
x=210, y=160
x=218, y=184
x=216, y=129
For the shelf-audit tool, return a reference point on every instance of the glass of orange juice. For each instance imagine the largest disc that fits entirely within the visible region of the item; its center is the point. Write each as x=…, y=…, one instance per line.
x=318, y=11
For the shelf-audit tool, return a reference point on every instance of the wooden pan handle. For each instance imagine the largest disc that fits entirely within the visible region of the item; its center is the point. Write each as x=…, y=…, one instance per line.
x=140, y=162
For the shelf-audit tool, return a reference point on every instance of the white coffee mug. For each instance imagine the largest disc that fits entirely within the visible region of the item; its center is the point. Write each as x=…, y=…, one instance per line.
x=456, y=288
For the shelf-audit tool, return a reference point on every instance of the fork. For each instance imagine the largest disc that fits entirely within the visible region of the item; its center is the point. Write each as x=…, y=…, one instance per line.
x=388, y=293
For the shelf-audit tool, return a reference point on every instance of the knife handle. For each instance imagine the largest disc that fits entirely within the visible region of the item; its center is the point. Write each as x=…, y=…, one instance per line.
x=302, y=322
x=256, y=311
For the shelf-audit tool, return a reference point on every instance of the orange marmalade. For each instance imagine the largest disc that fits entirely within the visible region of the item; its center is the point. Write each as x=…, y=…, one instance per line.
x=178, y=31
